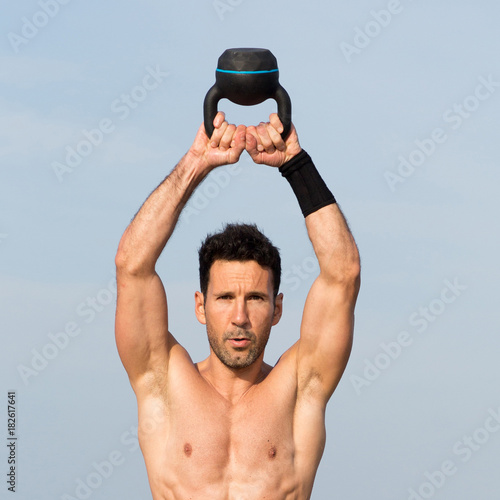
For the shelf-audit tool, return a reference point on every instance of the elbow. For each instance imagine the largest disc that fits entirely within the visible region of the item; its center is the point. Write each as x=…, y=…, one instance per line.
x=122, y=257
x=351, y=275
x=345, y=271
x=121, y=261
x=356, y=278
x=347, y=280
x=132, y=267
x=130, y=262
x=355, y=267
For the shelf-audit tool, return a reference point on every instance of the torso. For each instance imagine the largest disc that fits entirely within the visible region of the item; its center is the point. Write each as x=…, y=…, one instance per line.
x=197, y=445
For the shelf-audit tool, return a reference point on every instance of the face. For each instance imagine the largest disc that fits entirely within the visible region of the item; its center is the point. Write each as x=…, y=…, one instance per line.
x=239, y=310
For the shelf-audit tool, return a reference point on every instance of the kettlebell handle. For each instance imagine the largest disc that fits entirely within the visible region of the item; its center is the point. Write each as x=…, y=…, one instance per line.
x=214, y=95
x=247, y=76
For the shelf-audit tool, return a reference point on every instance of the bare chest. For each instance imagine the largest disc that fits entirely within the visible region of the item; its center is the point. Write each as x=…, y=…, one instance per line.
x=253, y=433
x=245, y=448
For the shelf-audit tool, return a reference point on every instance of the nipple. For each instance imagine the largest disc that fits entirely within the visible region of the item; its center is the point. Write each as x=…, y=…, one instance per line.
x=188, y=449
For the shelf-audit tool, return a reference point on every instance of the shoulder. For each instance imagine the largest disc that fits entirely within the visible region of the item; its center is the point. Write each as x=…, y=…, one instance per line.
x=158, y=380
x=285, y=369
x=289, y=357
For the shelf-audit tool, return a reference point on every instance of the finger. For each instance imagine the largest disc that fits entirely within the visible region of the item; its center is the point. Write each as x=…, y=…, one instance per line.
x=276, y=122
x=238, y=143
x=239, y=138
x=252, y=141
x=265, y=138
x=219, y=119
x=275, y=136
x=218, y=134
x=227, y=137
x=217, y=123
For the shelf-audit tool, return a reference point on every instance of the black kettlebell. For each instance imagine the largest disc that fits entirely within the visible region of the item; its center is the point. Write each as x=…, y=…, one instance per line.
x=247, y=77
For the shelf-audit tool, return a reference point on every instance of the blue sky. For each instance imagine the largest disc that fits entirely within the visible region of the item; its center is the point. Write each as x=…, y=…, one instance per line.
x=397, y=101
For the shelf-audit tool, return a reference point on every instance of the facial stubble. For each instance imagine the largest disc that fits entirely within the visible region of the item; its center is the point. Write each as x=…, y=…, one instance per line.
x=238, y=358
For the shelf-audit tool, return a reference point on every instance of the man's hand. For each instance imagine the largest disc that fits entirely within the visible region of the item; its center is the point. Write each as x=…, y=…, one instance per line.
x=265, y=144
x=224, y=147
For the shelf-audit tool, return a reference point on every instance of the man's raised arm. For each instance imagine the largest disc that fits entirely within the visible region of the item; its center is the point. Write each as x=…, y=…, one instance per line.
x=141, y=327
x=328, y=320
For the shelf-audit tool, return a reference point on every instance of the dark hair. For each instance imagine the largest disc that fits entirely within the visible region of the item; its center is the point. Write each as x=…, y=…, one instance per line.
x=239, y=242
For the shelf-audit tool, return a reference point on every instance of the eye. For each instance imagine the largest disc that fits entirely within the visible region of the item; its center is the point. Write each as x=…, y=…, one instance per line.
x=256, y=297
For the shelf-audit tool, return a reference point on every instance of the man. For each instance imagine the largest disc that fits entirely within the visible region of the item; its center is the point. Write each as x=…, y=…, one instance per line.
x=232, y=427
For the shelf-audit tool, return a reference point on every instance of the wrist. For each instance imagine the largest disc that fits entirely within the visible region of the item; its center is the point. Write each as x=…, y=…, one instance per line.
x=310, y=189
x=198, y=163
x=290, y=156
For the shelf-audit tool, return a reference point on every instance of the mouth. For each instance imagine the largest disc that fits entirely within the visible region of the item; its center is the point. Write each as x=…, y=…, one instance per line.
x=239, y=342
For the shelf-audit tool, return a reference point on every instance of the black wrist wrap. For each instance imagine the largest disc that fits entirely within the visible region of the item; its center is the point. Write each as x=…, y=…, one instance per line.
x=310, y=189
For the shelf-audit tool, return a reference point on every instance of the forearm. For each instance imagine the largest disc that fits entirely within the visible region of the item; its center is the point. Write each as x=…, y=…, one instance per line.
x=327, y=228
x=148, y=233
x=333, y=245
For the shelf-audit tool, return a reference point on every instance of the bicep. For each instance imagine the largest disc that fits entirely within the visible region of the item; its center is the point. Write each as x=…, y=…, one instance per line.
x=141, y=324
x=326, y=335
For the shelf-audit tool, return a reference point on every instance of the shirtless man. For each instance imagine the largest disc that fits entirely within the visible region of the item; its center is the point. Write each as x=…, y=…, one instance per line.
x=232, y=427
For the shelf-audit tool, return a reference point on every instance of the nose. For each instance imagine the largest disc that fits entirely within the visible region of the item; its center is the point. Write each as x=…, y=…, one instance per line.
x=240, y=314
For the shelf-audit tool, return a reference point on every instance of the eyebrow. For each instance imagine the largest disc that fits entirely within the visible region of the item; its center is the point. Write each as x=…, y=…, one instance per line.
x=251, y=292
x=258, y=292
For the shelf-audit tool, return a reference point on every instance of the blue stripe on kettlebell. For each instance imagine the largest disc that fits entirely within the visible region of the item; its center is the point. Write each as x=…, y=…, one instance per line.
x=247, y=72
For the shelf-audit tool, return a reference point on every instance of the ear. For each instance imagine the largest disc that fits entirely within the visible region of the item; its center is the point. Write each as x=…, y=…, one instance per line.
x=278, y=309
x=199, y=307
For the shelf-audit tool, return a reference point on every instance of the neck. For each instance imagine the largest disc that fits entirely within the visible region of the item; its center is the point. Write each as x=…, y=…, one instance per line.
x=233, y=383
